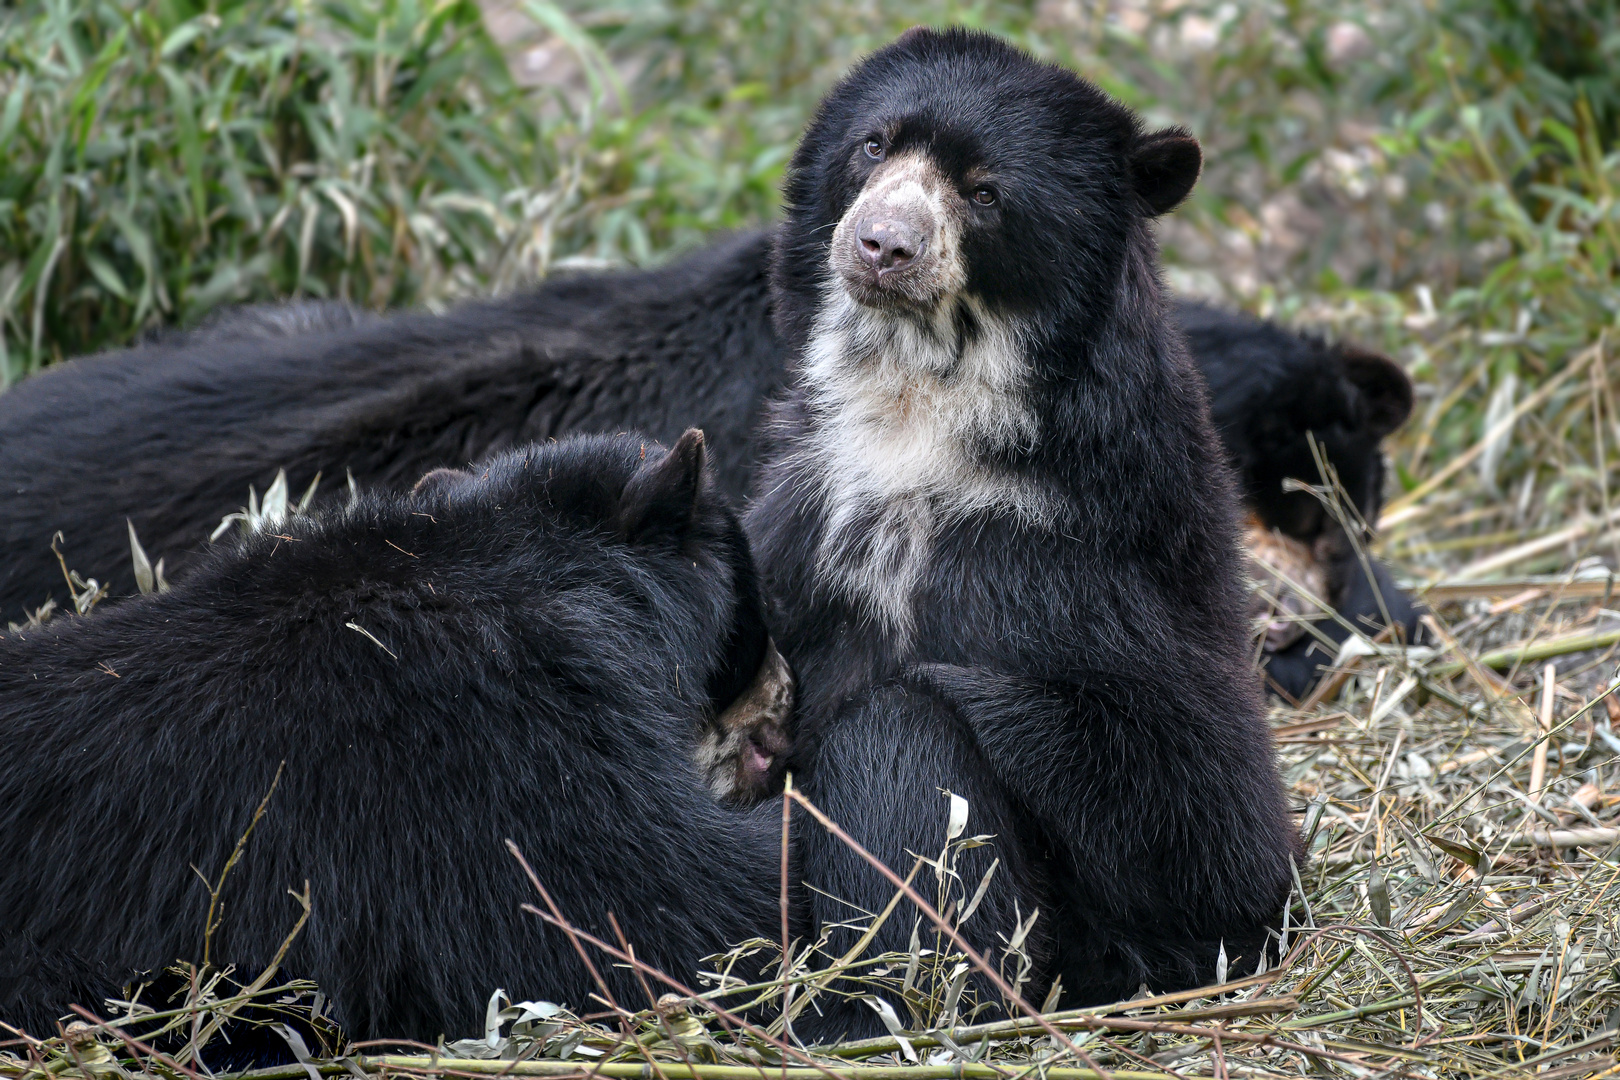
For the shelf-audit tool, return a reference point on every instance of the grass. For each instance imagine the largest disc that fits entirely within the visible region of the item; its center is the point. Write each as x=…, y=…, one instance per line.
x=1433, y=177
x=158, y=159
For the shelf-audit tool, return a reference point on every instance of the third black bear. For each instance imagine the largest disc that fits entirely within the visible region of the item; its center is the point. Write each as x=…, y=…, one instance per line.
x=992, y=491
x=533, y=651
x=1268, y=389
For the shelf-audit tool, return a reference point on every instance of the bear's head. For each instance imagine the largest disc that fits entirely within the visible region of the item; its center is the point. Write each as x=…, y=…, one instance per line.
x=1275, y=393
x=1357, y=399
x=951, y=178
x=647, y=529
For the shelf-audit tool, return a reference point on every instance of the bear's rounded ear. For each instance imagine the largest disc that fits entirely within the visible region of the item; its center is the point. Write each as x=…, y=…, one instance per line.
x=1386, y=390
x=913, y=35
x=1164, y=167
x=662, y=496
x=441, y=482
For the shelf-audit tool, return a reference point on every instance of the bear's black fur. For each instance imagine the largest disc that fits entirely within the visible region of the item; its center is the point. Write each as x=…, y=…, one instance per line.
x=171, y=435
x=991, y=493
x=250, y=322
x=1270, y=391
x=528, y=651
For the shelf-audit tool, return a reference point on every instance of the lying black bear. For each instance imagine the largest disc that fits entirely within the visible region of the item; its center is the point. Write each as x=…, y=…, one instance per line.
x=538, y=651
x=992, y=490
x=171, y=435
x=1270, y=392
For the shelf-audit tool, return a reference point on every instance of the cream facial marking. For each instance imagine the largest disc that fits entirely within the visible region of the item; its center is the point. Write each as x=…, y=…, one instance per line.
x=901, y=241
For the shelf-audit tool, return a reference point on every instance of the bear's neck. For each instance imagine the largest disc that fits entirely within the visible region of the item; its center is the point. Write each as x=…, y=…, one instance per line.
x=911, y=424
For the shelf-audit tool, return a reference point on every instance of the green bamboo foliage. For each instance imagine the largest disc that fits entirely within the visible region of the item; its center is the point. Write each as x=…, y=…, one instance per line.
x=159, y=158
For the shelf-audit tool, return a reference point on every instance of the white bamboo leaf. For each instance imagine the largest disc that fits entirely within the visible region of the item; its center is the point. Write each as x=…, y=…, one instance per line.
x=144, y=578
x=959, y=816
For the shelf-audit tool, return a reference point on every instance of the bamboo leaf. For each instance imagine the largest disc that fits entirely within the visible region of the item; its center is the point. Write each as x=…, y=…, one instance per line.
x=107, y=276
x=145, y=580
x=184, y=108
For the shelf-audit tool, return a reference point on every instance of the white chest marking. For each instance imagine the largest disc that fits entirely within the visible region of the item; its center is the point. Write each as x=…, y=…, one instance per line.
x=903, y=416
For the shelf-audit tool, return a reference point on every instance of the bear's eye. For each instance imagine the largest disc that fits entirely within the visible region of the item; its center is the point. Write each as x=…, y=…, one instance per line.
x=984, y=196
x=874, y=148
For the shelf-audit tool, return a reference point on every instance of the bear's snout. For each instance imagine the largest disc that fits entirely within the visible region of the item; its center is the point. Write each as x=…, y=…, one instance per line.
x=898, y=242
x=890, y=244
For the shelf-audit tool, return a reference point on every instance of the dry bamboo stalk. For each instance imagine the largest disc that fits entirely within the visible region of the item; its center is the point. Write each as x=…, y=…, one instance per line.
x=640, y=1070
x=1489, y=682
x=1566, y=838
x=1501, y=659
x=1075, y=1018
x=1450, y=589
x=1538, y=761
x=1531, y=548
x=1159, y=1000
x=1517, y=600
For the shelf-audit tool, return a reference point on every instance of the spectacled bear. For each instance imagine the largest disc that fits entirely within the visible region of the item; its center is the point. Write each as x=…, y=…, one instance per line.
x=170, y=435
x=1271, y=391
x=546, y=649
x=993, y=490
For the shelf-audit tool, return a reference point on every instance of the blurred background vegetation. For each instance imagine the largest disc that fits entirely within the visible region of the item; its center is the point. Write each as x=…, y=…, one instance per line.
x=1435, y=177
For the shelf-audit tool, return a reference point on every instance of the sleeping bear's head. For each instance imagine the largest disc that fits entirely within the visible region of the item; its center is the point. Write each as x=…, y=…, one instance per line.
x=644, y=531
x=1272, y=392
x=1006, y=199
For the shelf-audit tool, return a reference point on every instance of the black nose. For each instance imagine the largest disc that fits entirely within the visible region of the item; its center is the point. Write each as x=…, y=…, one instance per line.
x=887, y=244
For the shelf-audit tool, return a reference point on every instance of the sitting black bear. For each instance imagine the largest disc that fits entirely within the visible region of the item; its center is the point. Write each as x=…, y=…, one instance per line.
x=991, y=491
x=537, y=651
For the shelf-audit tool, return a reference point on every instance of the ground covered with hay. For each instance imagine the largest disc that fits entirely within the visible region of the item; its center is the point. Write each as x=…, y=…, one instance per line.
x=1431, y=178
x=1456, y=914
